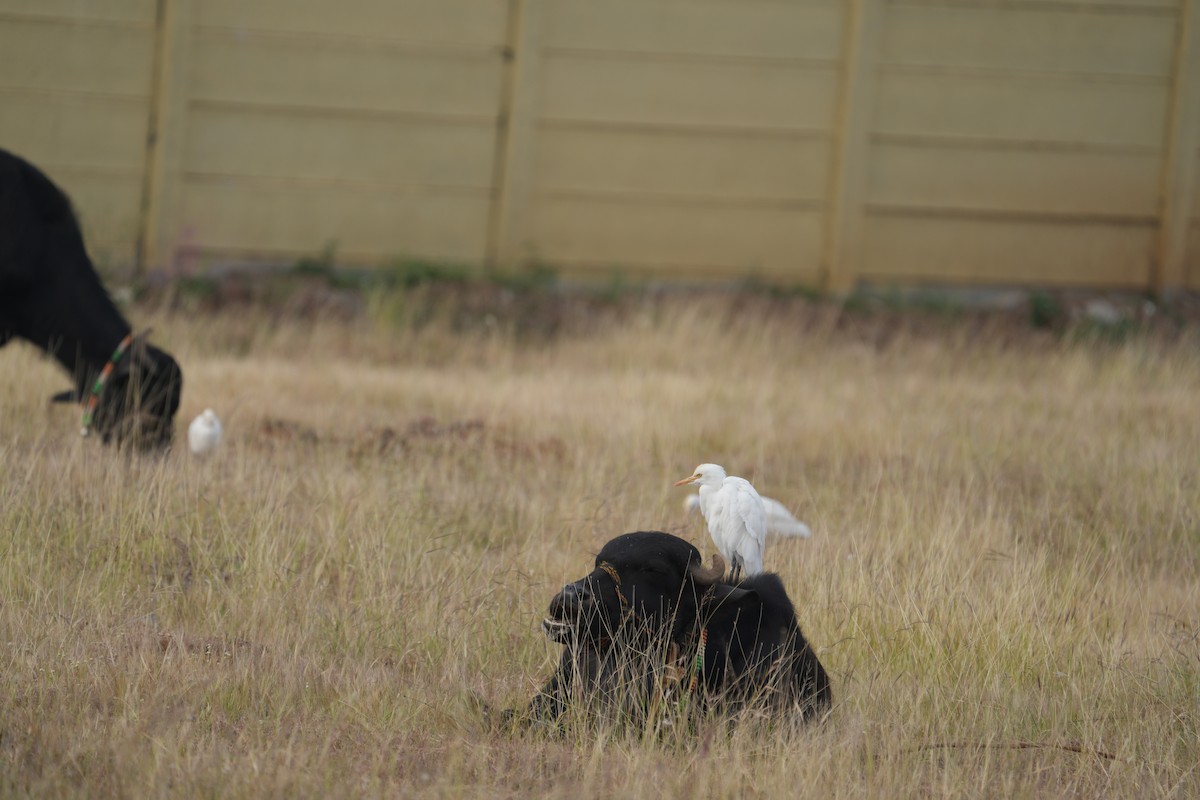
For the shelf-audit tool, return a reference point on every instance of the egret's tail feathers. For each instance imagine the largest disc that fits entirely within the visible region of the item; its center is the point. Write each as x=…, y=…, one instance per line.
x=781, y=522
x=794, y=529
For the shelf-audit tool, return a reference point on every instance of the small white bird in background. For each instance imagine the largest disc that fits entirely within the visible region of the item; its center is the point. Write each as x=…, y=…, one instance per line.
x=204, y=434
x=780, y=522
x=736, y=517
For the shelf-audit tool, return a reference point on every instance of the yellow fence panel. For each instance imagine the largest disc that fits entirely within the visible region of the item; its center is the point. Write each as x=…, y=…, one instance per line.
x=686, y=140
x=471, y=22
x=1019, y=143
x=368, y=125
x=75, y=95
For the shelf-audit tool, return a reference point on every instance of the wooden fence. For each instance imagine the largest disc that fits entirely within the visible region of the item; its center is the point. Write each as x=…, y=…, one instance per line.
x=819, y=142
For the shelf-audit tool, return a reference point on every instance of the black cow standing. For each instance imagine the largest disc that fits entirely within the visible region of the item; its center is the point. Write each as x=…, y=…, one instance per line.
x=650, y=622
x=51, y=296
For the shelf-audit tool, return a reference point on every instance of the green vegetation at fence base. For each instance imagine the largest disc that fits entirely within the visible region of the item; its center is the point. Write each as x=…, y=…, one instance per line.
x=537, y=301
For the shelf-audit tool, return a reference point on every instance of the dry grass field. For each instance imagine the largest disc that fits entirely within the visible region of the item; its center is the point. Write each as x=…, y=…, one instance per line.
x=1002, y=581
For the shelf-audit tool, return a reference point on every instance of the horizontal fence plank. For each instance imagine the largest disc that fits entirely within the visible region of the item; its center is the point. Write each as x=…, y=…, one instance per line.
x=478, y=22
x=587, y=87
x=1005, y=252
x=770, y=30
x=633, y=238
x=304, y=113
x=241, y=217
x=1114, y=114
x=47, y=127
x=728, y=166
x=1031, y=181
x=230, y=141
x=702, y=130
x=683, y=272
x=661, y=200
x=56, y=55
x=253, y=37
x=280, y=72
x=1026, y=39
x=1010, y=144
x=1125, y=8
x=141, y=12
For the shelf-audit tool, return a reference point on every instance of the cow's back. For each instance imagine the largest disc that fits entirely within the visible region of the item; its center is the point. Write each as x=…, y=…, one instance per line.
x=32, y=210
x=49, y=288
x=762, y=645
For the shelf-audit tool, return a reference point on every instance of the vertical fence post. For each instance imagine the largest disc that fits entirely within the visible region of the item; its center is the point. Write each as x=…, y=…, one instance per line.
x=164, y=140
x=508, y=243
x=1178, y=178
x=846, y=192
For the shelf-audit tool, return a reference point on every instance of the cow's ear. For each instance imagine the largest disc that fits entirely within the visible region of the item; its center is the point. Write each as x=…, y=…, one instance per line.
x=737, y=596
x=69, y=396
x=734, y=597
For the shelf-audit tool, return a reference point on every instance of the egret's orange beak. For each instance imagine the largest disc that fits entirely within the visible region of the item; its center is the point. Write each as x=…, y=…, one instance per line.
x=686, y=481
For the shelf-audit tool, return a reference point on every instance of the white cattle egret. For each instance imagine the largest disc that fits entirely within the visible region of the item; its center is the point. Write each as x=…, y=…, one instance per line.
x=780, y=522
x=737, y=520
x=204, y=434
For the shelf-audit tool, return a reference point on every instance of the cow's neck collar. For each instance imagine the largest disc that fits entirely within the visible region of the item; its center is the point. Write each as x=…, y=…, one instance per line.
x=96, y=391
x=611, y=571
x=697, y=636
x=685, y=659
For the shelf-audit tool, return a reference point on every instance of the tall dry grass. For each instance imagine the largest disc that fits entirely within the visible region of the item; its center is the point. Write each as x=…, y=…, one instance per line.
x=1002, y=582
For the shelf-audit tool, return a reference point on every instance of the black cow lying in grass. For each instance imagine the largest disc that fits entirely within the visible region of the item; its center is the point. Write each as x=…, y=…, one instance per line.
x=51, y=296
x=651, y=625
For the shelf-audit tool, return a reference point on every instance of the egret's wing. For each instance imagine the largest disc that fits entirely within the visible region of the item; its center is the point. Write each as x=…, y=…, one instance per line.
x=748, y=507
x=717, y=506
x=751, y=519
x=781, y=522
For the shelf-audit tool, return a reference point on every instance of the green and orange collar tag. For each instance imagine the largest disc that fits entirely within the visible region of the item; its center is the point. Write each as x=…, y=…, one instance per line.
x=89, y=410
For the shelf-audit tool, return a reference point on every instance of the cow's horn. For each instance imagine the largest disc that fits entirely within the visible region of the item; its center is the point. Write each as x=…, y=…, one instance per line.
x=707, y=577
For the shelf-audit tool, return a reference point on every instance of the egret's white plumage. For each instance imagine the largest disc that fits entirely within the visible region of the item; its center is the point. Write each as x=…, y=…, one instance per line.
x=204, y=434
x=736, y=517
x=781, y=523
